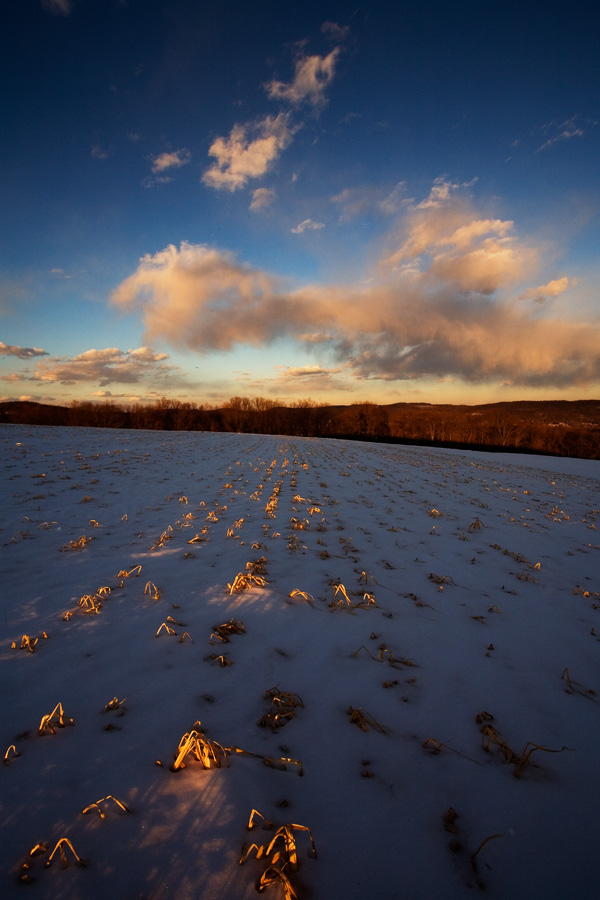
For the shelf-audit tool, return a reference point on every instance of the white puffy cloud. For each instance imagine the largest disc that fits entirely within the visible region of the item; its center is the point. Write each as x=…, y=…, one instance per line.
x=21, y=352
x=440, y=306
x=171, y=160
x=312, y=77
x=248, y=152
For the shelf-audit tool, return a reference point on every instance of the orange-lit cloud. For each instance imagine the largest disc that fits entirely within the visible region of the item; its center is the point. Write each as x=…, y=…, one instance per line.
x=312, y=76
x=173, y=160
x=248, y=152
x=552, y=289
x=105, y=366
x=21, y=352
x=440, y=306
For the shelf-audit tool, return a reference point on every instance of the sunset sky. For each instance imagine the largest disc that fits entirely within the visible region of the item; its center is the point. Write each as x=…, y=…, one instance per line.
x=395, y=201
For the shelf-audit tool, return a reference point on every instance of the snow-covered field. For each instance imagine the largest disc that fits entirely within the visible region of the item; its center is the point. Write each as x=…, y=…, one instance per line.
x=452, y=598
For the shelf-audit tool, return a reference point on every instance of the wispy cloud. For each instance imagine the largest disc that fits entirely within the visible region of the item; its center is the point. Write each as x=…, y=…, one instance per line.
x=21, y=352
x=262, y=198
x=312, y=77
x=59, y=7
x=99, y=152
x=171, y=160
x=369, y=200
x=561, y=131
x=248, y=152
x=307, y=225
x=440, y=305
x=336, y=32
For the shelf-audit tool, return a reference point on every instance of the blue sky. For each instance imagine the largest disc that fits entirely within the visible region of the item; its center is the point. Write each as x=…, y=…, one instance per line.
x=395, y=201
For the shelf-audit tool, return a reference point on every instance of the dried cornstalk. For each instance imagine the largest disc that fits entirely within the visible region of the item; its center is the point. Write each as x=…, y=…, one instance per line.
x=283, y=708
x=339, y=588
x=208, y=753
x=64, y=861
x=27, y=643
x=57, y=717
x=305, y=596
x=242, y=582
x=79, y=544
x=440, y=579
x=100, y=811
x=114, y=704
x=7, y=754
x=364, y=720
x=222, y=632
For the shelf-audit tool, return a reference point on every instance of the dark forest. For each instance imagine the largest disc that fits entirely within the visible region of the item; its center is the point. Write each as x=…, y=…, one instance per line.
x=559, y=428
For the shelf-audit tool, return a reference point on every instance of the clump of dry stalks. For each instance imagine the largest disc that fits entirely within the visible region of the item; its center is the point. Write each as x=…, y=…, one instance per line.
x=222, y=633
x=28, y=642
x=41, y=849
x=243, y=582
x=79, y=544
x=281, y=854
x=364, y=720
x=283, y=708
x=211, y=754
x=490, y=737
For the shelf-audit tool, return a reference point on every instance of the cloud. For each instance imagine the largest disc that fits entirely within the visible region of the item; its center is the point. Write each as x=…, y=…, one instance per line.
x=337, y=32
x=248, y=152
x=98, y=152
x=368, y=200
x=307, y=225
x=174, y=160
x=563, y=131
x=59, y=7
x=312, y=76
x=552, y=289
x=105, y=366
x=307, y=371
x=444, y=237
x=21, y=352
x=262, y=198
x=440, y=306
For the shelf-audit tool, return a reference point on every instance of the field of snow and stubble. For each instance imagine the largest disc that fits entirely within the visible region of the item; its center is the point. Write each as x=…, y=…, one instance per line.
x=418, y=616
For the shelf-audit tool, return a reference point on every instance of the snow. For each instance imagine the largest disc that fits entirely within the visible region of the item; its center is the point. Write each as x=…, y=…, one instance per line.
x=512, y=545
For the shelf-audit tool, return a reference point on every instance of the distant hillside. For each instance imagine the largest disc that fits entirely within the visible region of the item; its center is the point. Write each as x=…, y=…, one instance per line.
x=557, y=427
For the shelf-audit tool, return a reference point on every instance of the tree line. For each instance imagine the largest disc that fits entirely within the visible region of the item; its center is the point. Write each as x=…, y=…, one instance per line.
x=560, y=428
